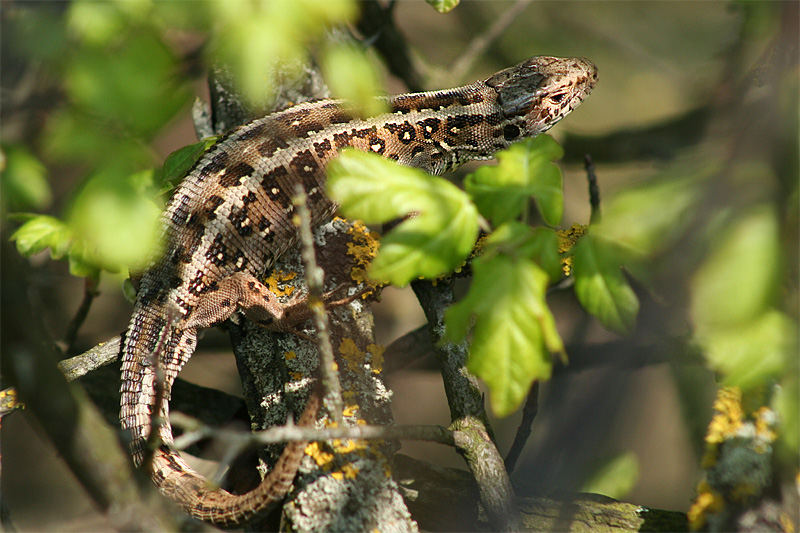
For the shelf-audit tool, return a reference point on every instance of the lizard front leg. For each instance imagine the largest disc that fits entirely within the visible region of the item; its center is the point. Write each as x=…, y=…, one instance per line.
x=244, y=291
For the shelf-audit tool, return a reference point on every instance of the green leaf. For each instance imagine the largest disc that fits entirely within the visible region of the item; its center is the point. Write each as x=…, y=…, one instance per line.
x=739, y=278
x=434, y=241
x=514, y=332
x=41, y=232
x=24, y=179
x=749, y=354
x=600, y=285
x=352, y=77
x=520, y=240
x=525, y=169
x=443, y=6
x=616, y=478
x=120, y=227
x=179, y=162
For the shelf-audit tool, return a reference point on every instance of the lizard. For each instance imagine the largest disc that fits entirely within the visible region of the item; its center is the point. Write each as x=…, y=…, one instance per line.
x=230, y=219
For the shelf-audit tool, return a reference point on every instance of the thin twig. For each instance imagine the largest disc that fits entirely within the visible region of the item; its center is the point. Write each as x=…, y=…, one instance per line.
x=196, y=431
x=478, y=45
x=524, y=429
x=89, y=293
x=594, y=190
x=314, y=279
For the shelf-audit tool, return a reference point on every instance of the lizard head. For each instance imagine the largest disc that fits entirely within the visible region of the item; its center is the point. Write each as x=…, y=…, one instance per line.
x=535, y=94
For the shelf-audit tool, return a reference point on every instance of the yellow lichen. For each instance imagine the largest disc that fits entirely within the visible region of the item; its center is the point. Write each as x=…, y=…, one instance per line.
x=707, y=501
x=276, y=282
x=290, y=355
x=324, y=459
x=351, y=354
x=728, y=417
x=376, y=353
x=566, y=240
x=350, y=471
x=296, y=376
x=350, y=410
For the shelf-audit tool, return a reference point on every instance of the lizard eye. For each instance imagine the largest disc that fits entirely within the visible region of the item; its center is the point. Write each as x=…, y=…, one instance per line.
x=557, y=97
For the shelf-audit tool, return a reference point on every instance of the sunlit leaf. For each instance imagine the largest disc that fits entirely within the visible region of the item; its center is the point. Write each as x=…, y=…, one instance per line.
x=434, y=241
x=443, y=6
x=514, y=332
x=41, y=232
x=524, y=170
x=600, y=285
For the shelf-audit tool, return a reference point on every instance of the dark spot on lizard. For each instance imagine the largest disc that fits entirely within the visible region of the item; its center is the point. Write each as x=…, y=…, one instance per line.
x=510, y=132
x=322, y=148
x=377, y=145
x=341, y=140
x=216, y=164
x=271, y=145
x=406, y=133
x=428, y=127
x=304, y=164
x=211, y=205
x=241, y=221
x=234, y=174
x=217, y=253
x=252, y=132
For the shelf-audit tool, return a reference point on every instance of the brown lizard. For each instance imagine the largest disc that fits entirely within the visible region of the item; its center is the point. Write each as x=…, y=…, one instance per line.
x=230, y=219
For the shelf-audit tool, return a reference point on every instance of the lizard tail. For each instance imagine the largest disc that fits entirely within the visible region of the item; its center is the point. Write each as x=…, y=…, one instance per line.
x=194, y=493
x=171, y=474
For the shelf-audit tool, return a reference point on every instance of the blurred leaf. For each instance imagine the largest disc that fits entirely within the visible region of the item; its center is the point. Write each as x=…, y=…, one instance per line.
x=75, y=137
x=788, y=408
x=120, y=227
x=649, y=218
x=134, y=83
x=24, y=179
x=443, y=6
x=616, y=478
x=179, y=162
x=352, y=77
x=739, y=278
x=96, y=23
x=600, y=285
x=524, y=169
x=257, y=39
x=434, y=241
x=514, y=331
x=750, y=353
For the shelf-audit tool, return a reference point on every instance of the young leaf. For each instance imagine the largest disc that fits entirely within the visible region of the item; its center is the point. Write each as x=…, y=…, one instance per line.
x=514, y=332
x=600, y=286
x=41, y=232
x=434, y=241
x=179, y=162
x=443, y=6
x=524, y=170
